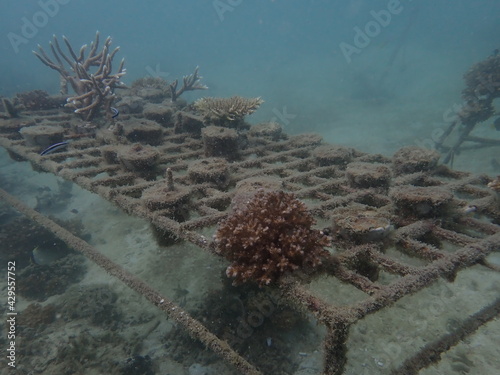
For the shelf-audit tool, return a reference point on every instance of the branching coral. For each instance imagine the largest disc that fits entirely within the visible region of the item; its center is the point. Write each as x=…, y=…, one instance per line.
x=271, y=235
x=190, y=82
x=93, y=90
x=227, y=111
x=157, y=87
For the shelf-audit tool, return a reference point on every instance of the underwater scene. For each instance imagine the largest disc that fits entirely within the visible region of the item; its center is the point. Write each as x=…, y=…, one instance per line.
x=273, y=187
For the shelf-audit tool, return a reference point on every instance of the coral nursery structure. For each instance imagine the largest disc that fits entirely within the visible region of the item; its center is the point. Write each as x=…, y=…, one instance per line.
x=271, y=235
x=391, y=227
x=482, y=88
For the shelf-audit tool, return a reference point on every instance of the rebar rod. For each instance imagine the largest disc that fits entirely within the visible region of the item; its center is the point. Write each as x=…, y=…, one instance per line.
x=195, y=328
x=431, y=353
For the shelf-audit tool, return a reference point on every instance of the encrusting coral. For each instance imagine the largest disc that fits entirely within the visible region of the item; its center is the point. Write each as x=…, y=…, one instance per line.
x=227, y=112
x=93, y=90
x=270, y=235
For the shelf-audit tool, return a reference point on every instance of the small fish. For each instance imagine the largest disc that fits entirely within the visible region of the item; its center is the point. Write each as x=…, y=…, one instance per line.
x=469, y=209
x=115, y=111
x=54, y=147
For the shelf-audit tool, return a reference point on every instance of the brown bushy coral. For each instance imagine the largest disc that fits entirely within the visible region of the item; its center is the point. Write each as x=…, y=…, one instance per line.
x=271, y=235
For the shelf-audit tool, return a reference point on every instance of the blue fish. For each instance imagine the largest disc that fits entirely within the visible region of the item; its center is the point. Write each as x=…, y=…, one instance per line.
x=115, y=112
x=54, y=147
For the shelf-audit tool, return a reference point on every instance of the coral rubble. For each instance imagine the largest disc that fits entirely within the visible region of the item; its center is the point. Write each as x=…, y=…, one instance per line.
x=95, y=303
x=38, y=282
x=228, y=112
x=94, y=91
x=37, y=316
x=272, y=235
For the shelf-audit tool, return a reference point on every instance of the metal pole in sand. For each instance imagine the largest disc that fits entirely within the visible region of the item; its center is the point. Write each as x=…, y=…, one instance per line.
x=195, y=329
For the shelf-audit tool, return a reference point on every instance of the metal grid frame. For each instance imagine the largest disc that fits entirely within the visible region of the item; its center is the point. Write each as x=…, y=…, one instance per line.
x=324, y=187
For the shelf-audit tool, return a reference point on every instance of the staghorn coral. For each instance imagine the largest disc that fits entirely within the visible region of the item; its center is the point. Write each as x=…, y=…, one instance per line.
x=190, y=82
x=93, y=90
x=227, y=112
x=271, y=235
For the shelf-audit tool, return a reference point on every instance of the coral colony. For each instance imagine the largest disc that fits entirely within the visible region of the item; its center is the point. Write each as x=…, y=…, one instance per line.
x=271, y=235
x=227, y=111
x=255, y=197
x=93, y=90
